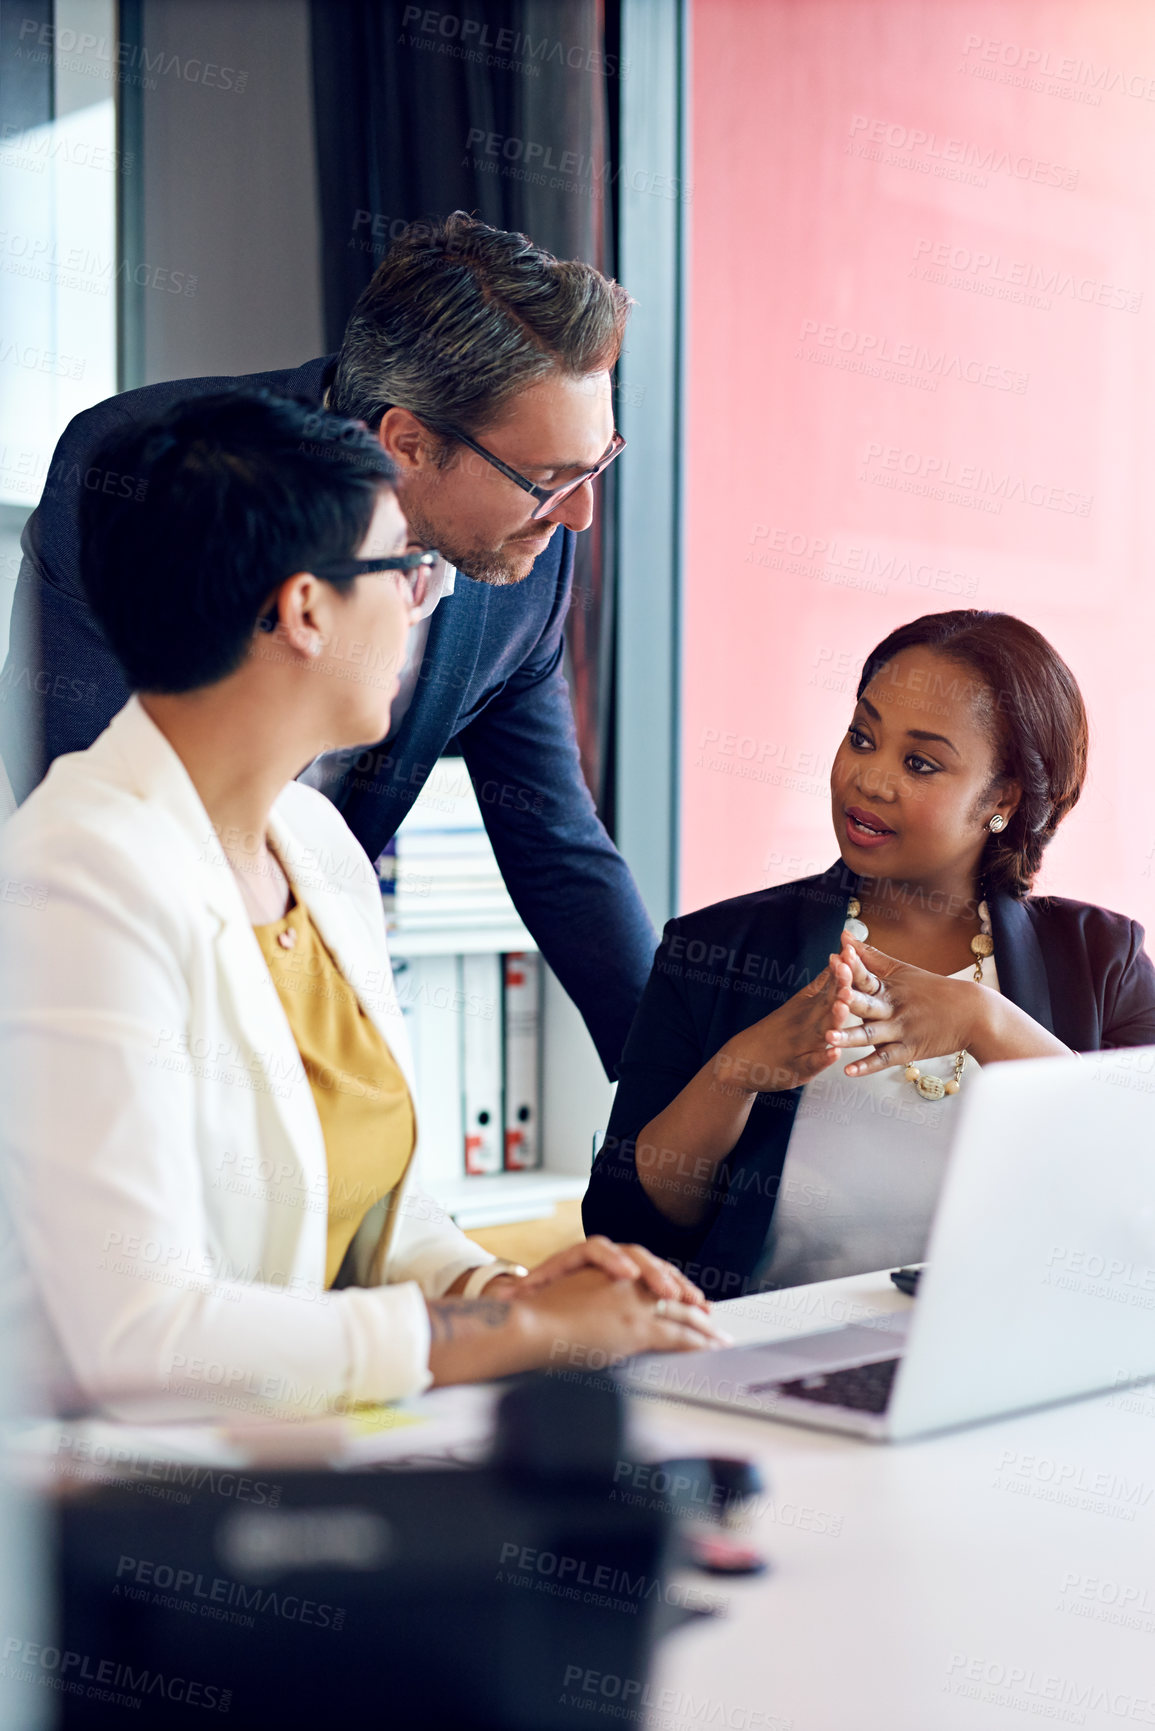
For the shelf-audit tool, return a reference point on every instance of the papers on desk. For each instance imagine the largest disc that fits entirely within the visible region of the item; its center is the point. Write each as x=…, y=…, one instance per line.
x=450, y=1426
x=456, y=1429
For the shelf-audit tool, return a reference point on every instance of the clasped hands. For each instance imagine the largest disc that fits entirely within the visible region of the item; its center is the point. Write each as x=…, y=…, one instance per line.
x=588, y=1268
x=906, y=1013
x=862, y=998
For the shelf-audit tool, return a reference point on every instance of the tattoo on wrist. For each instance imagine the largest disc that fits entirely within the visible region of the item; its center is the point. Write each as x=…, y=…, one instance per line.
x=454, y=1318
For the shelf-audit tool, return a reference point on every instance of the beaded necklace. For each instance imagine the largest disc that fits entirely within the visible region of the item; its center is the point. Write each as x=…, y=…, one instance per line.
x=982, y=944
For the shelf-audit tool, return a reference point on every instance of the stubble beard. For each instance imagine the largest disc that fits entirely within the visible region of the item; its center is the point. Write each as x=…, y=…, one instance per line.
x=490, y=565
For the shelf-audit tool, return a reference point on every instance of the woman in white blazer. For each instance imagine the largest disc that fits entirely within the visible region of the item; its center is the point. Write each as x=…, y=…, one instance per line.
x=165, y=1165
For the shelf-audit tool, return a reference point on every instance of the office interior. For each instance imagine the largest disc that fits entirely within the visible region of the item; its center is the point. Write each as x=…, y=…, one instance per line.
x=891, y=353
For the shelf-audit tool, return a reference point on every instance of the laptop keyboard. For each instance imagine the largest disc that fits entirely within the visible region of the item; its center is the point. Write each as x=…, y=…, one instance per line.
x=862, y=1387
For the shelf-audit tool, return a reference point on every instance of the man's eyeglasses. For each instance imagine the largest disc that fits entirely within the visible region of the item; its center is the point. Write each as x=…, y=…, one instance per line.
x=414, y=567
x=548, y=498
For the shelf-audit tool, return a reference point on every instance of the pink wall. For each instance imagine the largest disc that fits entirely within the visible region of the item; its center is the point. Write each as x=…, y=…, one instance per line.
x=879, y=188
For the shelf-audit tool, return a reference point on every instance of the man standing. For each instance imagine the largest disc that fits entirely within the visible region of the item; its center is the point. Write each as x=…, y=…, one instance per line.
x=483, y=365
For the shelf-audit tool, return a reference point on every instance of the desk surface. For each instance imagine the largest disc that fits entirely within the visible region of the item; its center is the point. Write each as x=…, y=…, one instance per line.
x=968, y=1582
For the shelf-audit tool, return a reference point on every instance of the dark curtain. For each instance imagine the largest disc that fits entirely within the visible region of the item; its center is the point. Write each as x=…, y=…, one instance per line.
x=420, y=111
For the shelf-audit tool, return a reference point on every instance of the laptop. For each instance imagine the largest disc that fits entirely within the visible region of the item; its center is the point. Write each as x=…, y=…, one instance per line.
x=1039, y=1285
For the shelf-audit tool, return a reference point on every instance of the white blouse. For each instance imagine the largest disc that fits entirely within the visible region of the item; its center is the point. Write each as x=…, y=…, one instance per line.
x=865, y=1164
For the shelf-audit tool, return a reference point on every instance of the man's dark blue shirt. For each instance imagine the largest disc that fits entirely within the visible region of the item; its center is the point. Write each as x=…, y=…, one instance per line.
x=490, y=687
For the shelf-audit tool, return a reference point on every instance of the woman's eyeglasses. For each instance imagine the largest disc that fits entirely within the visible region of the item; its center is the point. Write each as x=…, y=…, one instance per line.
x=413, y=567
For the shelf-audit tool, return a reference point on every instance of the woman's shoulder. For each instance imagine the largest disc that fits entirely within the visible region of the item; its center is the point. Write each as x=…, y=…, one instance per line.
x=786, y=903
x=123, y=806
x=90, y=856
x=77, y=815
x=1063, y=918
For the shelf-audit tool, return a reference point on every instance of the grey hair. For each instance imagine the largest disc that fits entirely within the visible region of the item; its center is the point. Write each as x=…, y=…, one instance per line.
x=459, y=318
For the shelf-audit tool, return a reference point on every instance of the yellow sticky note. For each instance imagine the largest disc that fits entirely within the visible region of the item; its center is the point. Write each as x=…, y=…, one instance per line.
x=372, y=1420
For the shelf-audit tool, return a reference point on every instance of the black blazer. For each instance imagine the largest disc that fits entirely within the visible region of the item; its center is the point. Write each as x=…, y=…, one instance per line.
x=1080, y=971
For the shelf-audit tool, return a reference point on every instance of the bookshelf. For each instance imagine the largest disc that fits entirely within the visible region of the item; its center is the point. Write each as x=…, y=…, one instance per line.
x=445, y=879
x=459, y=940
x=507, y=1198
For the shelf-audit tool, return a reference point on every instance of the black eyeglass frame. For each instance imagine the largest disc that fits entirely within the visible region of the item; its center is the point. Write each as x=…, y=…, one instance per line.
x=341, y=570
x=549, y=498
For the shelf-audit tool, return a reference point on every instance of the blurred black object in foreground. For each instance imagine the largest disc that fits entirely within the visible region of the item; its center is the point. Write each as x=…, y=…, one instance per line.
x=518, y=1595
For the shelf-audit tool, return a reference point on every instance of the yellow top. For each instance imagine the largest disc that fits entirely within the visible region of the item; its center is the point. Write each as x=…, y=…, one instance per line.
x=361, y=1096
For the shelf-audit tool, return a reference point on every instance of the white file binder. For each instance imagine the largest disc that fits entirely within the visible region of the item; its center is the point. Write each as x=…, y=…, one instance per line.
x=481, y=1023
x=429, y=990
x=522, y=1061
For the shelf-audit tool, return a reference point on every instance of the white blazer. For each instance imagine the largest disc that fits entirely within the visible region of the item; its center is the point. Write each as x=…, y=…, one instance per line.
x=164, y=1165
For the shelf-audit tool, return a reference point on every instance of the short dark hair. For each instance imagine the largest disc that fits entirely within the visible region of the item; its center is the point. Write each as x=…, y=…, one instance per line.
x=459, y=318
x=1038, y=724
x=218, y=501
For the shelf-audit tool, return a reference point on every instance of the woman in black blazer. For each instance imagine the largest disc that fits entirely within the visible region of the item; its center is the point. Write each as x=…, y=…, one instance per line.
x=739, y=1146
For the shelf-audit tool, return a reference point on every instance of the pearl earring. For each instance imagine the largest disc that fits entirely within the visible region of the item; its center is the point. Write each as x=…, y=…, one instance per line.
x=315, y=647
x=998, y=822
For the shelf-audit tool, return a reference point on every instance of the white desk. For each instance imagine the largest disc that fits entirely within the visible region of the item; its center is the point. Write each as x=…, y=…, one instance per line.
x=927, y=1586
x=977, y=1581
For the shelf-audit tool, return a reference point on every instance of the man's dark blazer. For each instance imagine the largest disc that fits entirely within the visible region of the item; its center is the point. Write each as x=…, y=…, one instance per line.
x=1081, y=972
x=491, y=687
